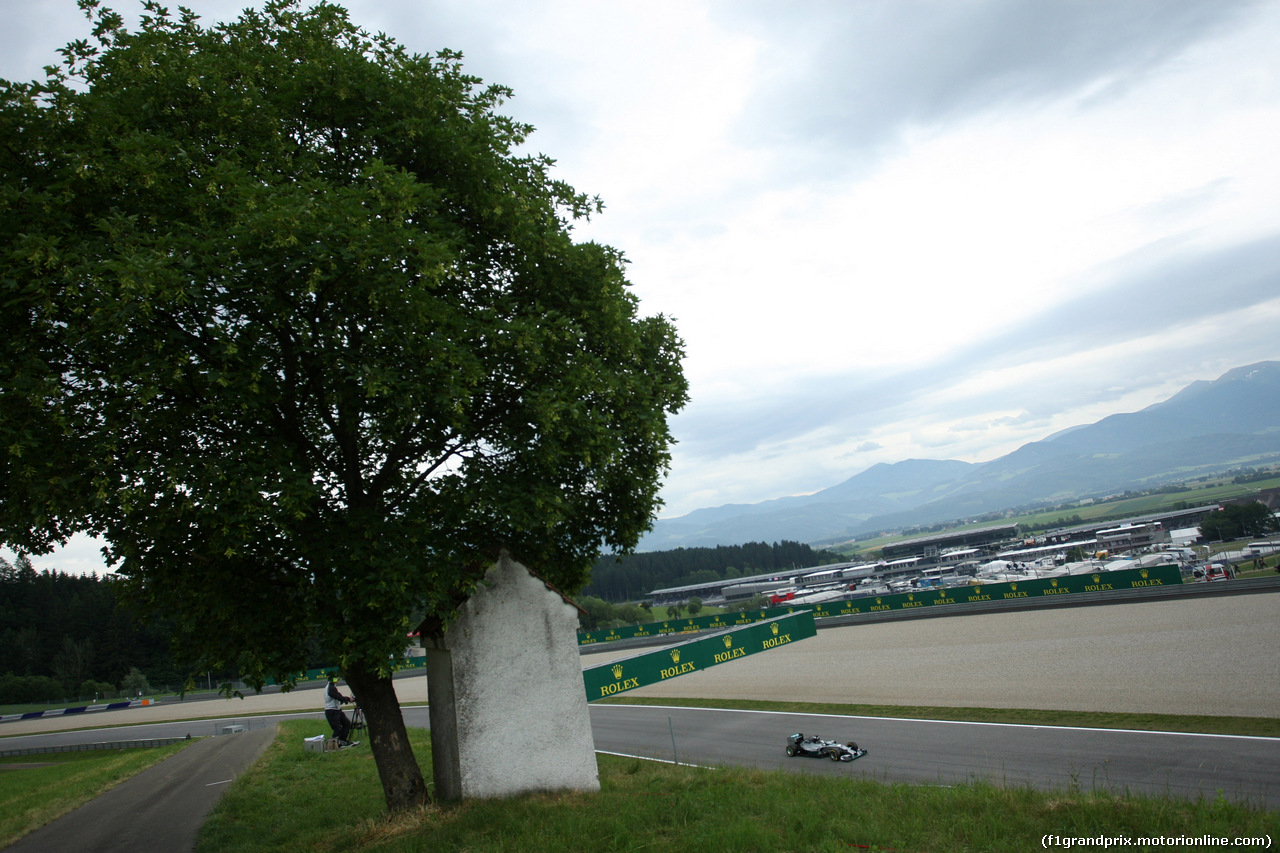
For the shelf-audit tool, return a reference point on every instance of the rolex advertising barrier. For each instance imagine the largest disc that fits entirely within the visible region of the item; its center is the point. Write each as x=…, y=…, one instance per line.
x=1063, y=585
x=692, y=624
x=620, y=676
x=1037, y=588
x=324, y=672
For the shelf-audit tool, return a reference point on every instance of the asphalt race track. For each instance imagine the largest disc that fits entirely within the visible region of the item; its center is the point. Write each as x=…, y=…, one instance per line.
x=909, y=751
x=948, y=753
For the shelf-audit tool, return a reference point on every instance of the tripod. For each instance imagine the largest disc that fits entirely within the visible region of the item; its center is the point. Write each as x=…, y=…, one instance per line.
x=357, y=721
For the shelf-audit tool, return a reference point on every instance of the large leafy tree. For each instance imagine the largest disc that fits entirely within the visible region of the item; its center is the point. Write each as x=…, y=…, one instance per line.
x=291, y=323
x=1238, y=521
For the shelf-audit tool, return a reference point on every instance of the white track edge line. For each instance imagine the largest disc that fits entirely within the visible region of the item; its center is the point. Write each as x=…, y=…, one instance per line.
x=946, y=722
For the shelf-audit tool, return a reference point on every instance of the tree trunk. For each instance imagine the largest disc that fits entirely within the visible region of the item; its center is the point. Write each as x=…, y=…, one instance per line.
x=402, y=781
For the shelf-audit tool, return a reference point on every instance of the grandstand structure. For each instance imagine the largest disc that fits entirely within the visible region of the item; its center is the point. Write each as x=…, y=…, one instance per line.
x=731, y=590
x=956, y=550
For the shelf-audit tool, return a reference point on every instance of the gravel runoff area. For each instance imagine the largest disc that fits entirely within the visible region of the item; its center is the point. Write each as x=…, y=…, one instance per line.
x=1215, y=656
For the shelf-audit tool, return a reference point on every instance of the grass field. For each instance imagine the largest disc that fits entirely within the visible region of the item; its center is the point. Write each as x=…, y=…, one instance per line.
x=297, y=801
x=1212, y=492
x=1146, y=504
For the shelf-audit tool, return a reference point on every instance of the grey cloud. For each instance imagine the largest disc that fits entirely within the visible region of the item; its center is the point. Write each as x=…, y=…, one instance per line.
x=1159, y=291
x=852, y=76
x=808, y=404
x=487, y=36
x=980, y=425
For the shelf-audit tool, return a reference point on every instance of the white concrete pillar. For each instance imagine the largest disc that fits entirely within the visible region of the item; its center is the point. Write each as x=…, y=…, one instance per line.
x=508, y=711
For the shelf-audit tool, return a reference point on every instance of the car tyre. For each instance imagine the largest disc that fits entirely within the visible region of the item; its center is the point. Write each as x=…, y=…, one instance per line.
x=834, y=755
x=791, y=750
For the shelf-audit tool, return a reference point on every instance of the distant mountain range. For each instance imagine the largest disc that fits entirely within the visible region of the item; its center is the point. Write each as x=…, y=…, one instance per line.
x=1206, y=427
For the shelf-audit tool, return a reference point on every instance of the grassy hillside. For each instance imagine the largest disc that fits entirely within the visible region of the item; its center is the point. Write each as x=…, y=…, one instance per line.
x=286, y=803
x=1212, y=490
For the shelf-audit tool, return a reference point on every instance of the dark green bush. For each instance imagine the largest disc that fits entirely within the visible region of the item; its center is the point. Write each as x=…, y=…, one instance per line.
x=29, y=689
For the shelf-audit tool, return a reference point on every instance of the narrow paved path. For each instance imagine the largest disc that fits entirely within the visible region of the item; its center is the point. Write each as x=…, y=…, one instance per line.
x=160, y=809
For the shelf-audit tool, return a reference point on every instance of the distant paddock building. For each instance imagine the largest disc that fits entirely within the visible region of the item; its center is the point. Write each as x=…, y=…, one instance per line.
x=953, y=550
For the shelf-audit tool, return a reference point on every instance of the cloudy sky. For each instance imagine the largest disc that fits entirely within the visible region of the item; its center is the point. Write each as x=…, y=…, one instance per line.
x=889, y=230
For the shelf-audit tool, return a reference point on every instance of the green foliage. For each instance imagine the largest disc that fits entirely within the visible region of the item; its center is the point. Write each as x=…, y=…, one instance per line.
x=1238, y=521
x=602, y=614
x=758, y=601
x=599, y=613
x=693, y=605
x=633, y=614
x=701, y=576
x=1252, y=475
x=72, y=663
x=30, y=689
x=90, y=689
x=134, y=683
x=289, y=323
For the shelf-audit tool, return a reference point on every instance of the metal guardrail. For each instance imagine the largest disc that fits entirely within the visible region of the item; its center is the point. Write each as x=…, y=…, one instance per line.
x=1080, y=599
x=148, y=743
x=1085, y=599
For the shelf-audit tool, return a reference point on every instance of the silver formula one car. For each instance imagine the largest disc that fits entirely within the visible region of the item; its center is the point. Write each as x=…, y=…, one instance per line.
x=816, y=747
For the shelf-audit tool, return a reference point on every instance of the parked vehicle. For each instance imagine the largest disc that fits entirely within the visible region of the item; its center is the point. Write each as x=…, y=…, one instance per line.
x=1212, y=572
x=816, y=747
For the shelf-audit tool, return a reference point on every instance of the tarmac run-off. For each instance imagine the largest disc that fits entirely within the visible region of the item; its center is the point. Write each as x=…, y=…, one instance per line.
x=1216, y=656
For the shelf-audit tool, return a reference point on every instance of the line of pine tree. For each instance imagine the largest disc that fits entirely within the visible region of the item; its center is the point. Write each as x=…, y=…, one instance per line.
x=631, y=577
x=66, y=637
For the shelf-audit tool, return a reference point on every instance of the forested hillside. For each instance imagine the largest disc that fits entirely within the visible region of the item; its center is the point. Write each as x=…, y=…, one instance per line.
x=634, y=576
x=66, y=637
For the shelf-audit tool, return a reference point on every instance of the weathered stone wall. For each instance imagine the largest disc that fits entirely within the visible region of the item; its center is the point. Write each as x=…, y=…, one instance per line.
x=508, y=711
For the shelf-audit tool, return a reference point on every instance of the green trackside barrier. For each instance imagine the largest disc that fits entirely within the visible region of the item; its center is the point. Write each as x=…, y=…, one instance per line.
x=397, y=666
x=619, y=676
x=1065, y=586
x=717, y=622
